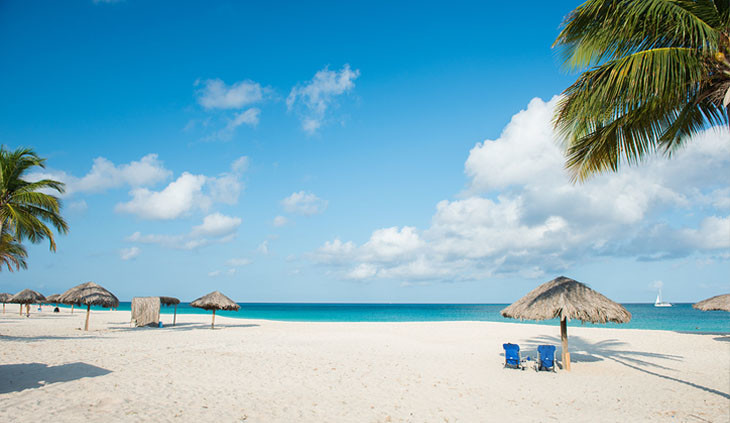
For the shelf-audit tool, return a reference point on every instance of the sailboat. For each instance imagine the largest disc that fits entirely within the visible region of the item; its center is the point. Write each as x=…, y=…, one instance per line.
x=659, y=302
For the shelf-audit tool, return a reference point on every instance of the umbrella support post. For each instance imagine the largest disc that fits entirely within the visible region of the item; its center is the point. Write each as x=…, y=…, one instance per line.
x=174, y=317
x=3, y=308
x=72, y=309
x=88, y=310
x=212, y=324
x=564, y=339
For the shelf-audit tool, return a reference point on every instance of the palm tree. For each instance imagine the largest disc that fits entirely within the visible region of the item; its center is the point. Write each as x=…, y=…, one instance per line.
x=24, y=207
x=12, y=253
x=658, y=73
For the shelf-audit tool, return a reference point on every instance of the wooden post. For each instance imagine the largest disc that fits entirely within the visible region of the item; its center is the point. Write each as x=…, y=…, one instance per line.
x=21, y=309
x=72, y=309
x=3, y=308
x=212, y=325
x=174, y=317
x=564, y=339
x=27, y=310
x=88, y=310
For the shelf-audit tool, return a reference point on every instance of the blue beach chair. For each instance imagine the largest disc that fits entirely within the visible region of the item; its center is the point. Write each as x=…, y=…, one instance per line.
x=546, y=357
x=512, y=356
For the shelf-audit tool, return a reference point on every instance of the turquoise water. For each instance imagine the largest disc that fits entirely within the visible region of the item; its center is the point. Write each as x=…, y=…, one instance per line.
x=681, y=317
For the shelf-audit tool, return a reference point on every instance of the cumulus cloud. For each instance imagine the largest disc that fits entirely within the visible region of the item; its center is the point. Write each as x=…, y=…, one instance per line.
x=186, y=194
x=178, y=198
x=305, y=203
x=313, y=98
x=520, y=214
x=216, y=228
x=215, y=94
x=129, y=253
x=105, y=175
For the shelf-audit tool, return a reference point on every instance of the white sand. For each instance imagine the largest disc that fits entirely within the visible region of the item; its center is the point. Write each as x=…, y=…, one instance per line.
x=265, y=371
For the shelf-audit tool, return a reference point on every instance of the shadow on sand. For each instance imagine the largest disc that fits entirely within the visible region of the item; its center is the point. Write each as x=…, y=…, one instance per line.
x=17, y=377
x=42, y=338
x=125, y=326
x=613, y=349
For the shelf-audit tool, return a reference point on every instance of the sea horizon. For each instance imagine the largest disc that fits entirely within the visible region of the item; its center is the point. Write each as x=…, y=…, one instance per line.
x=680, y=317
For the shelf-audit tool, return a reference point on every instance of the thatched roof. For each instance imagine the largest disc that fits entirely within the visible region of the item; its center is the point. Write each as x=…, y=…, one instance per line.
x=53, y=298
x=4, y=297
x=27, y=296
x=215, y=301
x=564, y=297
x=168, y=301
x=89, y=293
x=718, y=302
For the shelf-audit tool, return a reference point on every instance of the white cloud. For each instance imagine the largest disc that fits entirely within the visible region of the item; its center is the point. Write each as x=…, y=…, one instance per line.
x=263, y=248
x=521, y=215
x=238, y=262
x=215, y=229
x=175, y=200
x=317, y=95
x=249, y=117
x=216, y=273
x=280, y=221
x=105, y=175
x=186, y=194
x=305, y=203
x=129, y=253
x=215, y=94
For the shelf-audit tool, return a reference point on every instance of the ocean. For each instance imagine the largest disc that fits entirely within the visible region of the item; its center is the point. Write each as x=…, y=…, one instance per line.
x=680, y=317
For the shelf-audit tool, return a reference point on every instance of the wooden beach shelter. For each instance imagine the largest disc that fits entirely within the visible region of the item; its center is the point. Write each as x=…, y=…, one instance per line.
x=215, y=301
x=718, y=302
x=145, y=311
x=4, y=298
x=567, y=299
x=52, y=299
x=171, y=301
x=89, y=294
x=27, y=297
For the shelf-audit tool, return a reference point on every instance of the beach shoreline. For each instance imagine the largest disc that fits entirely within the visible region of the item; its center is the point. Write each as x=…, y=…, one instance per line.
x=276, y=371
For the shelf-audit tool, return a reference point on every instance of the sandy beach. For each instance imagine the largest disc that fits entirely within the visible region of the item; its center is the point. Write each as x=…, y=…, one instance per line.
x=269, y=371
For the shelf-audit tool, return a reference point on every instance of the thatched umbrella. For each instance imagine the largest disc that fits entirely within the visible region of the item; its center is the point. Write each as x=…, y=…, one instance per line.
x=568, y=299
x=718, y=302
x=4, y=298
x=27, y=297
x=168, y=301
x=52, y=299
x=89, y=294
x=215, y=301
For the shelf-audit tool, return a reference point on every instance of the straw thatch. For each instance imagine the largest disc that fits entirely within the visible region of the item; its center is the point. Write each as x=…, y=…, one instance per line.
x=4, y=298
x=168, y=301
x=171, y=301
x=27, y=296
x=145, y=311
x=215, y=301
x=718, y=302
x=89, y=294
x=566, y=298
x=52, y=298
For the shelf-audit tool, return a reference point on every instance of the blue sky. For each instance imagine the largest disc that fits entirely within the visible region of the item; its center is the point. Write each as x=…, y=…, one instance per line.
x=371, y=152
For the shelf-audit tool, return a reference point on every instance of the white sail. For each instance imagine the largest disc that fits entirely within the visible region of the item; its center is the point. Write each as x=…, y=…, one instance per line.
x=659, y=302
